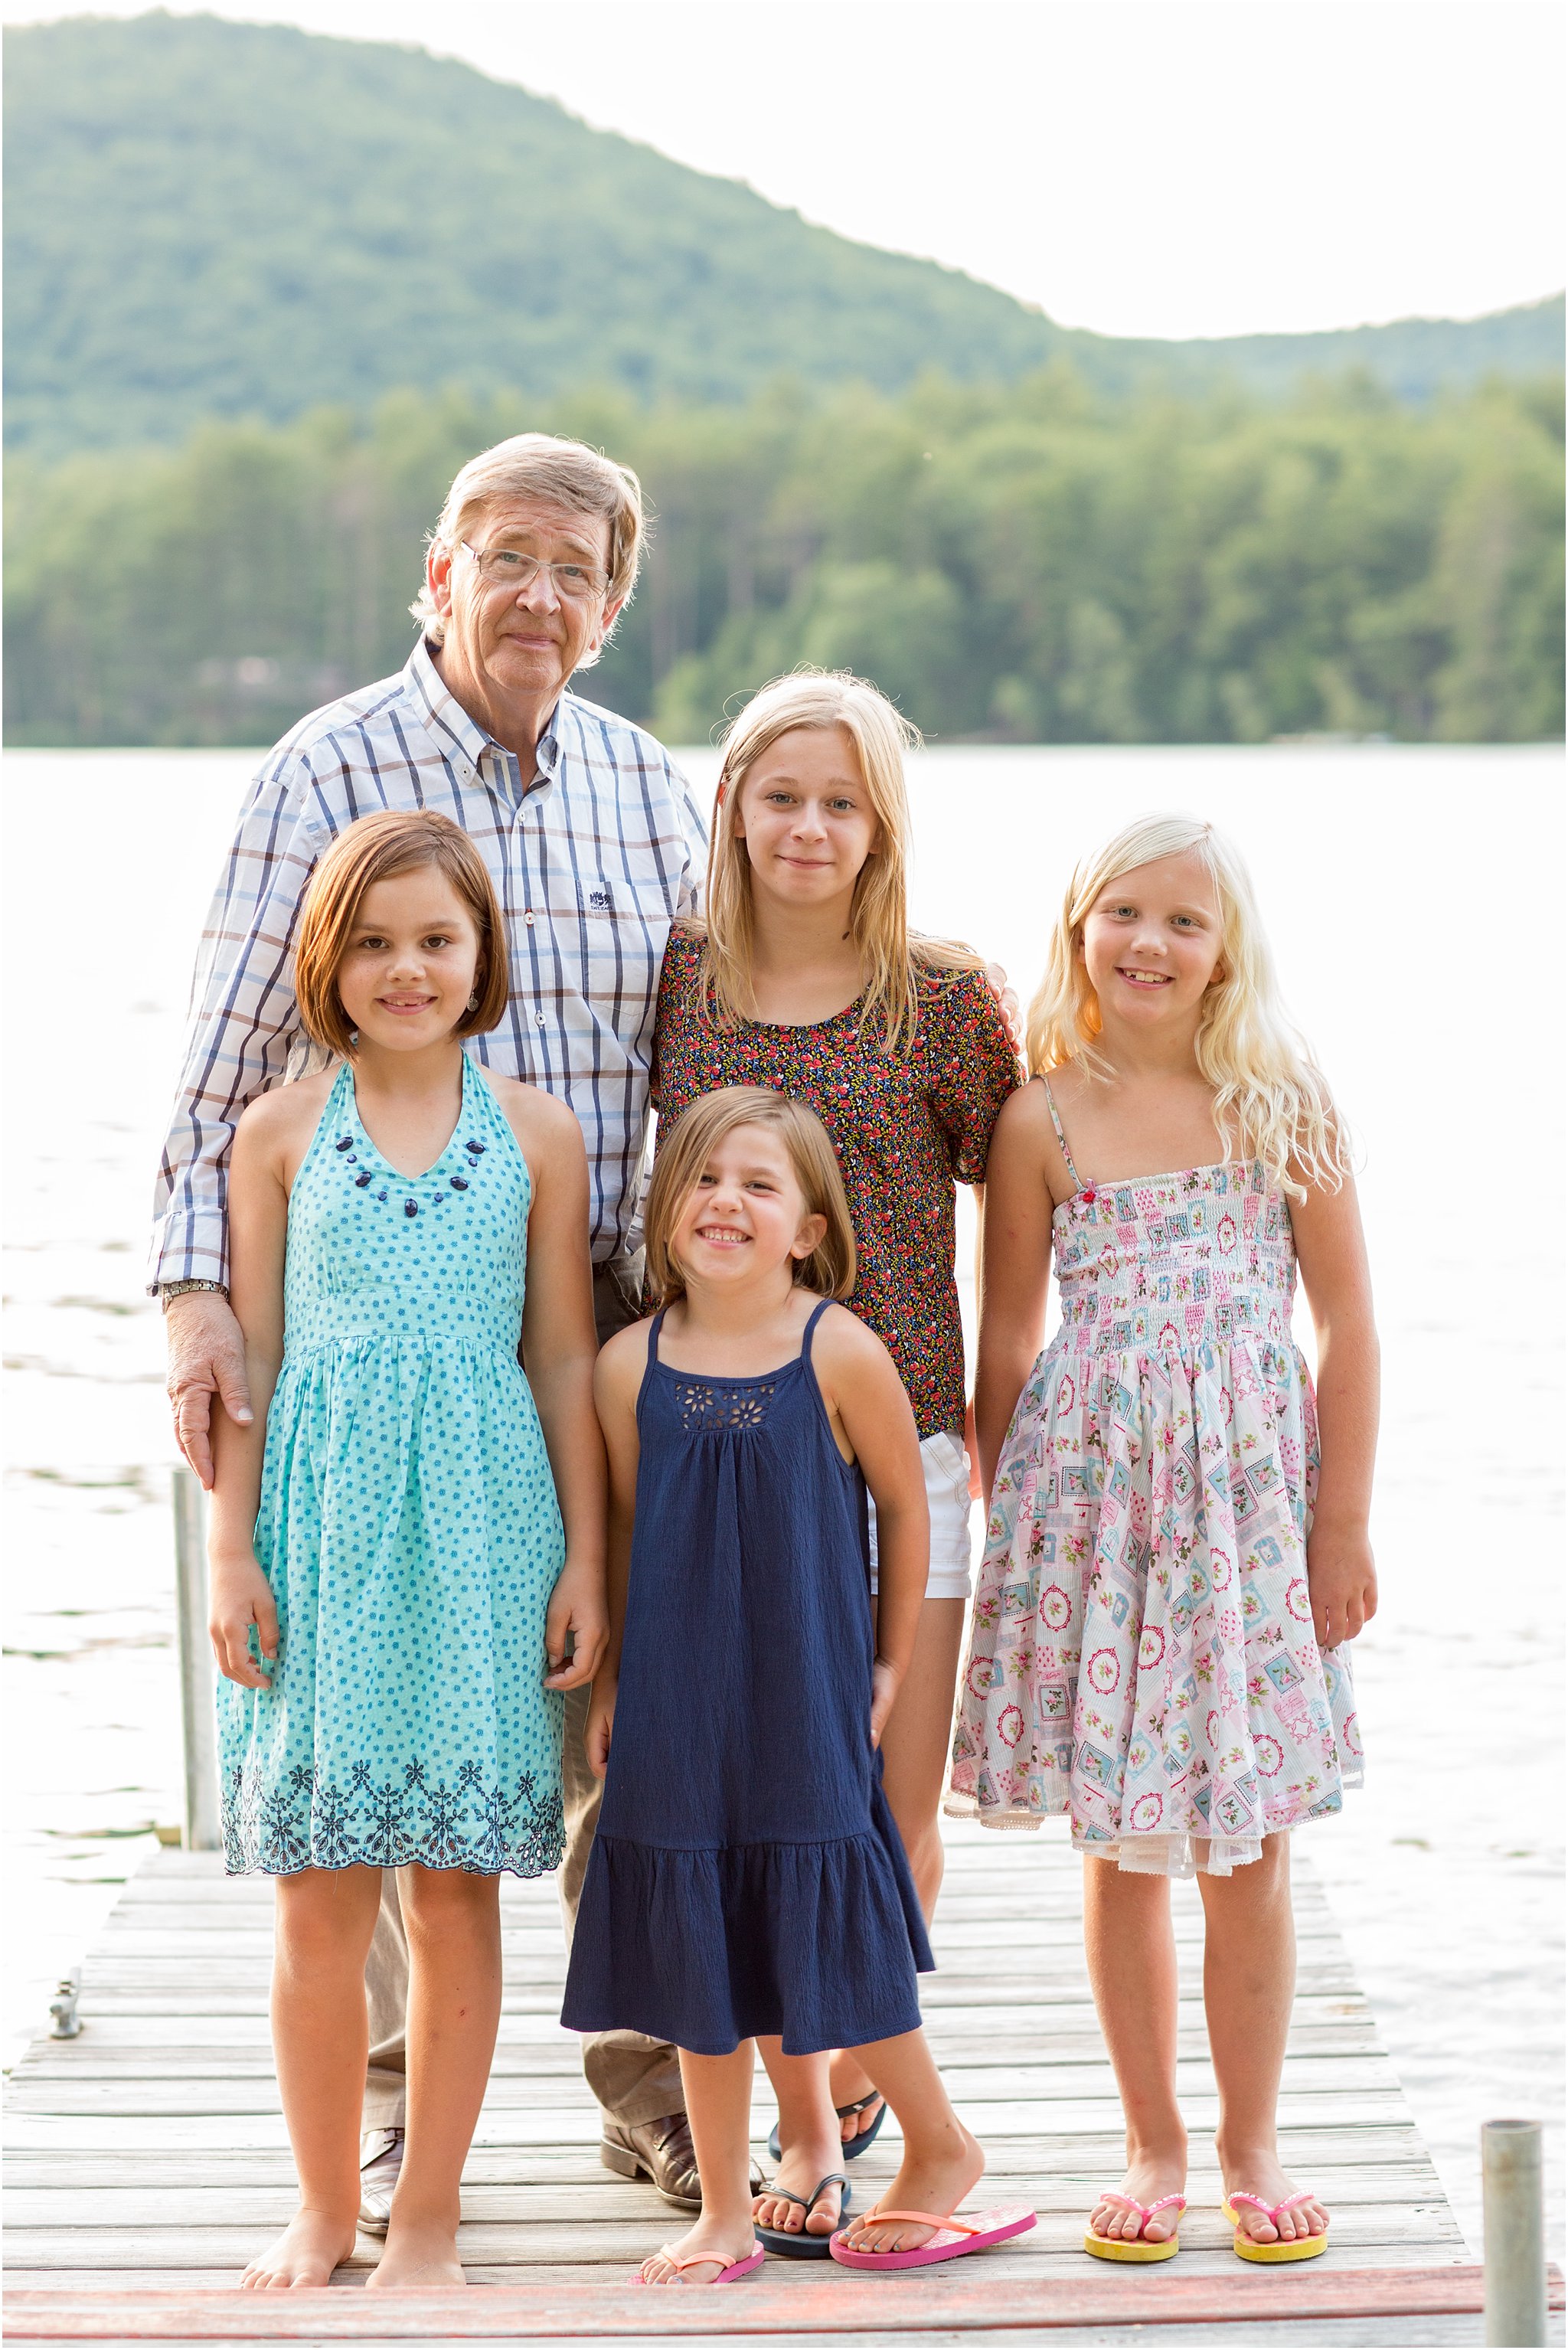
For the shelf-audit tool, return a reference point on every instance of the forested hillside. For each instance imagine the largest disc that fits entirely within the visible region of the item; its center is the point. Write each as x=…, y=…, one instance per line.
x=1030, y=563
x=215, y=219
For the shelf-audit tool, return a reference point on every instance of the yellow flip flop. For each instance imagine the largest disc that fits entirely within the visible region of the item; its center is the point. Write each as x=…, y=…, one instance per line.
x=1138, y=2247
x=1299, y=2248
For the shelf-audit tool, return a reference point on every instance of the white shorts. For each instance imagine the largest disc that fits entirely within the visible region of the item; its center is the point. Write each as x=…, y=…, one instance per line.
x=947, y=1491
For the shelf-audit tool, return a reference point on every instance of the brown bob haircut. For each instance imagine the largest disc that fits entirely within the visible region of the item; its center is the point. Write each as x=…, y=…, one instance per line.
x=373, y=850
x=685, y=1148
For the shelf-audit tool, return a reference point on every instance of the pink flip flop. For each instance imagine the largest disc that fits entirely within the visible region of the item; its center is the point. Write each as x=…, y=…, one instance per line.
x=732, y=2275
x=1246, y=2248
x=1139, y=2247
x=953, y=2239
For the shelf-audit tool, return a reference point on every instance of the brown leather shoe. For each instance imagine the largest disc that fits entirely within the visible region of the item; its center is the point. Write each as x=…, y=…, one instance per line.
x=661, y=2151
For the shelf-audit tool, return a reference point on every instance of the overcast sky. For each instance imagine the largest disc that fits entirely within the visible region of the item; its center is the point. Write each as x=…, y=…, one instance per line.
x=1142, y=167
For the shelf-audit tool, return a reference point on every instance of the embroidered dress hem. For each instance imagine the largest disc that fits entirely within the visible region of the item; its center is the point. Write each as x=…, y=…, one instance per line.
x=474, y=1827
x=815, y=1943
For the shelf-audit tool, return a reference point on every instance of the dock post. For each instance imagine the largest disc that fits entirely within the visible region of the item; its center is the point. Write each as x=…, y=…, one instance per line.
x=1511, y=2218
x=203, y=1832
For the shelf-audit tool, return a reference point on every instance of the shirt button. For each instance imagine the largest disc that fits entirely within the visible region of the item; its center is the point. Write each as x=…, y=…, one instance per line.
x=540, y=1018
x=528, y=916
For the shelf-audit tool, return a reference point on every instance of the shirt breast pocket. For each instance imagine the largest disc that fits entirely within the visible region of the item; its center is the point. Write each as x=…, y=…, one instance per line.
x=610, y=936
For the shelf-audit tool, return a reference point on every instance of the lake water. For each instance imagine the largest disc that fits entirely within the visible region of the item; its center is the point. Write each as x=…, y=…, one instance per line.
x=1413, y=897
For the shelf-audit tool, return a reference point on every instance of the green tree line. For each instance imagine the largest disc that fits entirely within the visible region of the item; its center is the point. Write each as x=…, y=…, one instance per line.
x=1029, y=562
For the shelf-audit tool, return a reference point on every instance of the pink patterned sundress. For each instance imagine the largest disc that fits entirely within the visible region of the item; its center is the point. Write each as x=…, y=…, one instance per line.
x=1141, y=1652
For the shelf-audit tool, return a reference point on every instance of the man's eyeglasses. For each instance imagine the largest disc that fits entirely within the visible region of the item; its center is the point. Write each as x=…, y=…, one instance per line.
x=508, y=567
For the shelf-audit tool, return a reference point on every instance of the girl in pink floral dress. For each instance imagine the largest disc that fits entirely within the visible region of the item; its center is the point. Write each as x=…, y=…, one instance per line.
x=1177, y=1547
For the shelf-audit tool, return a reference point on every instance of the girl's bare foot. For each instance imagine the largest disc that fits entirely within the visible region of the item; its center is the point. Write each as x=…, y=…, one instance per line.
x=1260, y=2174
x=1147, y=2178
x=849, y=2084
x=420, y=2256
x=716, y=2245
x=800, y=2167
x=306, y=2253
x=934, y=2178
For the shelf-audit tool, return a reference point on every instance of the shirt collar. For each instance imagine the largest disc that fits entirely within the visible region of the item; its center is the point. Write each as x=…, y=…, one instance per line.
x=446, y=719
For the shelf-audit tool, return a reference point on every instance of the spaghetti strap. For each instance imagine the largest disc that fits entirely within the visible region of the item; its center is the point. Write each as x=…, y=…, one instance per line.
x=817, y=1313
x=1057, y=1122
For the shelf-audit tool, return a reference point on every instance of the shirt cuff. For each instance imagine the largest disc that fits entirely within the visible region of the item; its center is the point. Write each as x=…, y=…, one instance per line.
x=187, y=1249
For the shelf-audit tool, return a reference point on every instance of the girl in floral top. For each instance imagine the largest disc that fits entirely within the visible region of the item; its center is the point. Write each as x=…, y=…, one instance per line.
x=804, y=977
x=1177, y=1543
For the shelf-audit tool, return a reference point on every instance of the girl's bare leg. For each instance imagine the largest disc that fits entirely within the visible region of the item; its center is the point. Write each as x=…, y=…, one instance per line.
x=916, y=1747
x=324, y=1922
x=1248, y=1980
x=719, y=2109
x=1131, y=1950
x=453, y=1921
x=809, y=2135
x=942, y=2163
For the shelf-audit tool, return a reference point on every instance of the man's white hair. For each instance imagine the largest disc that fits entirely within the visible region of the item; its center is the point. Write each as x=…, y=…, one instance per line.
x=560, y=473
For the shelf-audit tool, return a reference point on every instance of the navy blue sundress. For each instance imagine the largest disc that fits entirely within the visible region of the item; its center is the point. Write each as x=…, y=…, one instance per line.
x=747, y=1875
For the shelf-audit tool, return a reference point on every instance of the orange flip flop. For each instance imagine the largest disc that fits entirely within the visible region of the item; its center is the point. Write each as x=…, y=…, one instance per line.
x=731, y=2275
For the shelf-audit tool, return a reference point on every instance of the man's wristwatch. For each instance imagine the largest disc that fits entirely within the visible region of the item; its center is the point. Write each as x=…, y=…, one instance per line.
x=167, y=1289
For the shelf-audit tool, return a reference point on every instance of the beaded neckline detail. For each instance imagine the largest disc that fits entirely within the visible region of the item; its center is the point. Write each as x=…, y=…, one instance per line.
x=374, y=1181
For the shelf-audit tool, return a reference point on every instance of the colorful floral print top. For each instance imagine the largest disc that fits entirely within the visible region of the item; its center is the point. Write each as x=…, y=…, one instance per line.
x=906, y=1129
x=1142, y=1654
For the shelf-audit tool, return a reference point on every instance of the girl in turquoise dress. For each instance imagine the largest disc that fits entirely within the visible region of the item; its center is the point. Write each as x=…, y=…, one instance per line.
x=407, y=1543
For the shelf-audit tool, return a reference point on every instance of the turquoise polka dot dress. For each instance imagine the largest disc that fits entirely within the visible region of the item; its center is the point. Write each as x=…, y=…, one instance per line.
x=408, y=1525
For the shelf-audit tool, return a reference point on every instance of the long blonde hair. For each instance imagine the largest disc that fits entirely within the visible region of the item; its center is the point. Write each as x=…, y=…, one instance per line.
x=897, y=963
x=1269, y=1092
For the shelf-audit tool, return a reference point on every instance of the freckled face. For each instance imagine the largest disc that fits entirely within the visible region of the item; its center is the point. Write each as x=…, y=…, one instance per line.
x=1152, y=942
x=412, y=961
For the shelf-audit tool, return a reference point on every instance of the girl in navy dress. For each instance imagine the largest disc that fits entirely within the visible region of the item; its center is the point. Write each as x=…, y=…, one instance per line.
x=747, y=1882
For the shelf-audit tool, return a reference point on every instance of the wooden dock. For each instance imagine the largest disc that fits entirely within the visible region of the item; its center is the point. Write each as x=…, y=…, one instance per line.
x=148, y=2156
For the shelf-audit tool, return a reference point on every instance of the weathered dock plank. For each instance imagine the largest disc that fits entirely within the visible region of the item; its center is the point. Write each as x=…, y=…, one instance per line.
x=150, y=2150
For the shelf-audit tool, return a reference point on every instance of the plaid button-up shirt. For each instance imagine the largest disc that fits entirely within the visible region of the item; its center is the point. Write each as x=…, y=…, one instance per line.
x=592, y=859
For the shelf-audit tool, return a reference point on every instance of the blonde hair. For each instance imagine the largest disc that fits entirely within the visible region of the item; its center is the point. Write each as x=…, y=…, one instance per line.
x=561, y=473
x=897, y=963
x=689, y=1142
x=1268, y=1089
x=374, y=849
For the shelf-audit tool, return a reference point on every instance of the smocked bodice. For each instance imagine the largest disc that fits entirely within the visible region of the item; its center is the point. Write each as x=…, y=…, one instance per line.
x=1167, y=1264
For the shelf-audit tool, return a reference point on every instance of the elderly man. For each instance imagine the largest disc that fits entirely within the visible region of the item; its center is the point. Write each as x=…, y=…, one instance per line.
x=595, y=845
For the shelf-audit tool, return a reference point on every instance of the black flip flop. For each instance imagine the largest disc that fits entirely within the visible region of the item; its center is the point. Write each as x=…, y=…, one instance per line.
x=799, y=2246
x=854, y=2147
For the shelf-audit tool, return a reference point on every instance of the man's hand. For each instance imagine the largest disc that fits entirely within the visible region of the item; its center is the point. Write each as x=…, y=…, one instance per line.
x=1342, y=1582
x=240, y=1597
x=1007, y=1003
x=577, y=1607
x=206, y=1358
x=601, y=1722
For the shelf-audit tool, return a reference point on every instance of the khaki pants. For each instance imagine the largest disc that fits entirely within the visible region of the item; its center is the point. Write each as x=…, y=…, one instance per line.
x=634, y=2078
